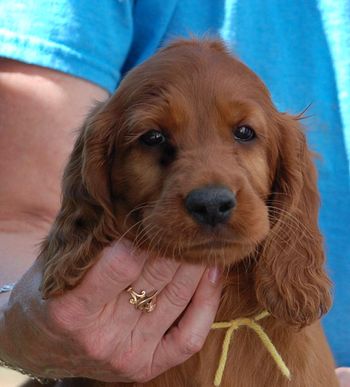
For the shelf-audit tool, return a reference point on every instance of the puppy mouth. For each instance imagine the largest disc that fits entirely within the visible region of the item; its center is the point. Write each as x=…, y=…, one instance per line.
x=212, y=245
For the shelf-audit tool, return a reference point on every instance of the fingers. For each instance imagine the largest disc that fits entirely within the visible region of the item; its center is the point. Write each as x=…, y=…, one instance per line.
x=118, y=267
x=189, y=335
x=171, y=302
x=343, y=375
x=157, y=273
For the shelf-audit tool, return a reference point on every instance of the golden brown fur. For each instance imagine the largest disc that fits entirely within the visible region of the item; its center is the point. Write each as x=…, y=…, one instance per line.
x=271, y=247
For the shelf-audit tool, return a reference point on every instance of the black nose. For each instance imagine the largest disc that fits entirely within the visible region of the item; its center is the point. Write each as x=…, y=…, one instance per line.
x=210, y=205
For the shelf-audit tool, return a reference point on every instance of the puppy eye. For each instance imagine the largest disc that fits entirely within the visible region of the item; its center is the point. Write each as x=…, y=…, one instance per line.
x=244, y=133
x=152, y=138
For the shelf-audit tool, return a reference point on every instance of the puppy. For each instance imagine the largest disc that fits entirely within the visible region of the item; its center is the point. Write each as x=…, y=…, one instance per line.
x=191, y=158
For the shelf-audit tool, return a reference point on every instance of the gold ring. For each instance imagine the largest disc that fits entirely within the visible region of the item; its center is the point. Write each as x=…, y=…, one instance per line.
x=142, y=301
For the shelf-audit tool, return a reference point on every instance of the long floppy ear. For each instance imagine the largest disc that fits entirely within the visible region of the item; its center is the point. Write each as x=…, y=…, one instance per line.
x=85, y=222
x=290, y=279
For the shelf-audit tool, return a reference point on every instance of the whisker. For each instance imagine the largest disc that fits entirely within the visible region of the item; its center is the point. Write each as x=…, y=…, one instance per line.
x=294, y=222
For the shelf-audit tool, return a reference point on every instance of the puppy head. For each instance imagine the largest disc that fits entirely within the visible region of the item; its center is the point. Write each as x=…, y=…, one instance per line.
x=193, y=165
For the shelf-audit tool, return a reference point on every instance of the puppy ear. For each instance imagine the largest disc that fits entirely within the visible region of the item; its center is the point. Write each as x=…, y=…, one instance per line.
x=84, y=224
x=291, y=282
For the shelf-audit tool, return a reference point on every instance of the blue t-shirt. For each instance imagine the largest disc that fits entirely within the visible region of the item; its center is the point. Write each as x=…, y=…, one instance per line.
x=301, y=49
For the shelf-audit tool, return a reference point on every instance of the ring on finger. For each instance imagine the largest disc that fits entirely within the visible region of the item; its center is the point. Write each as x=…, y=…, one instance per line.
x=145, y=302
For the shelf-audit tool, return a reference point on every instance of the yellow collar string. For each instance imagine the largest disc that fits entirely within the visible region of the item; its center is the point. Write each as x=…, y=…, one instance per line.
x=233, y=325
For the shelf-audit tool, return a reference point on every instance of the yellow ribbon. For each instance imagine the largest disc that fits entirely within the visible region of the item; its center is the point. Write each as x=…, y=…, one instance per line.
x=233, y=325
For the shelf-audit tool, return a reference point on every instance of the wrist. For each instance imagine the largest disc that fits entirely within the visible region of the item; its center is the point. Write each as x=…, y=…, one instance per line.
x=4, y=299
x=8, y=358
x=4, y=344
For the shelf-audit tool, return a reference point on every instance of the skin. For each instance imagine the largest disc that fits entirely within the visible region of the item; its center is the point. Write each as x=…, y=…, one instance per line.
x=38, y=111
x=343, y=374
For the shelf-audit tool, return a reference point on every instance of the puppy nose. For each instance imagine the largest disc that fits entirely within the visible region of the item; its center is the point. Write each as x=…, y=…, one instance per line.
x=210, y=205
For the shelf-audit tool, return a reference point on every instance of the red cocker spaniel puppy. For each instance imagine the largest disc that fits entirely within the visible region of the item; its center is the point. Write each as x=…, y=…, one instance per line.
x=191, y=156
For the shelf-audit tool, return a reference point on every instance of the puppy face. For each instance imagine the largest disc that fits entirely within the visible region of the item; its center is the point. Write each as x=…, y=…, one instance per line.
x=195, y=155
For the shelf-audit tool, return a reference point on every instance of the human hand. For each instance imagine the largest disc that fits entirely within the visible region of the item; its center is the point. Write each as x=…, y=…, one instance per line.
x=343, y=374
x=93, y=331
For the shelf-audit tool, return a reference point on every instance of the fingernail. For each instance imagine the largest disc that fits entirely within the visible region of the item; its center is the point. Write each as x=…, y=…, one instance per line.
x=214, y=275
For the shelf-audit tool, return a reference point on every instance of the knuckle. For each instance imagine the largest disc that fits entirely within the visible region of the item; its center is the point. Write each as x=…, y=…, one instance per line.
x=133, y=364
x=146, y=377
x=193, y=344
x=178, y=294
x=127, y=366
x=158, y=271
x=91, y=352
x=93, y=349
x=123, y=363
x=119, y=268
x=142, y=375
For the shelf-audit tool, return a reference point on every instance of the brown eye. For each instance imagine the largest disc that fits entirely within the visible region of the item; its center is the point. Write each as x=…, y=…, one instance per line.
x=244, y=133
x=152, y=138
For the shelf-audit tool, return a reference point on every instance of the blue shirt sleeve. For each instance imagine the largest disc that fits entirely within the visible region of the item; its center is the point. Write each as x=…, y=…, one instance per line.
x=98, y=40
